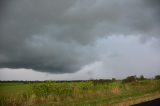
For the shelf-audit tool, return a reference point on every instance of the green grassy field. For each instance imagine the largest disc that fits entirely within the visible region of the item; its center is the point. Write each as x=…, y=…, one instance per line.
x=89, y=93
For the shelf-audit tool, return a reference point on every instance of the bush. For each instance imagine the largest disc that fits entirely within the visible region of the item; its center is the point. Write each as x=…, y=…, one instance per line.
x=141, y=78
x=113, y=79
x=130, y=79
x=157, y=77
x=42, y=89
x=101, y=81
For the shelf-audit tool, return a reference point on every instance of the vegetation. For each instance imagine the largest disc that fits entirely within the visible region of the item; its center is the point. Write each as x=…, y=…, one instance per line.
x=157, y=77
x=93, y=92
x=130, y=79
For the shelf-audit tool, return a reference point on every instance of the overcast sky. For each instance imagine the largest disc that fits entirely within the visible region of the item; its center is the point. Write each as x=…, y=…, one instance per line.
x=79, y=39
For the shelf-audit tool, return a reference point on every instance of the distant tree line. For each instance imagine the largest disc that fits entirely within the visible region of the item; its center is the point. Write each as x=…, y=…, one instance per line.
x=135, y=78
x=95, y=81
x=157, y=77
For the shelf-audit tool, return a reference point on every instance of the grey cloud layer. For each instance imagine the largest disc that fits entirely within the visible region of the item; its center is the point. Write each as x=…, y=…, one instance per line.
x=59, y=36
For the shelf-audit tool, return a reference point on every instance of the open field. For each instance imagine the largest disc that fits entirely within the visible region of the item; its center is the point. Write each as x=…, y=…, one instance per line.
x=88, y=93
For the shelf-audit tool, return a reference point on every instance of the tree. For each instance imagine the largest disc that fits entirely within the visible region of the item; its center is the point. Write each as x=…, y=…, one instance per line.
x=113, y=79
x=157, y=77
x=130, y=79
x=141, y=77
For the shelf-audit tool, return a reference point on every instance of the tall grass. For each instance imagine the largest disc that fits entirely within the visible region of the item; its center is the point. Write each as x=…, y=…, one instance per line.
x=75, y=92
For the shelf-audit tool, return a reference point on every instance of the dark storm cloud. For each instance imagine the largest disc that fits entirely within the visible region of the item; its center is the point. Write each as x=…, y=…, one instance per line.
x=59, y=36
x=155, y=6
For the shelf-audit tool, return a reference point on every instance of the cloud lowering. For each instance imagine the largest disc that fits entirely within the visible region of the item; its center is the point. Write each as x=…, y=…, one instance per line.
x=63, y=36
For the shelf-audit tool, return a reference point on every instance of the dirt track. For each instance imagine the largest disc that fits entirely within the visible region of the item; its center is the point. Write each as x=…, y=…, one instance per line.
x=155, y=102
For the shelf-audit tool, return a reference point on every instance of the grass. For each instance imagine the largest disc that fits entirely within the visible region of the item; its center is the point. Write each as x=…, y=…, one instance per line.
x=7, y=89
x=86, y=93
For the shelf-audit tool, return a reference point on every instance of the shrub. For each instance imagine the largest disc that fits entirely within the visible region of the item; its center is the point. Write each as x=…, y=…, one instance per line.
x=42, y=89
x=113, y=79
x=157, y=77
x=101, y=81
x=141, y=78
x=130, y=79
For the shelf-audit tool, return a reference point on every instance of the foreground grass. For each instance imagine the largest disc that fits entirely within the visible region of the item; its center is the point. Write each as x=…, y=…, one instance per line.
x=78, y=93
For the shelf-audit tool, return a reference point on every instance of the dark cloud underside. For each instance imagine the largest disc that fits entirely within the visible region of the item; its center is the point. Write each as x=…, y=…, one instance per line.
x=59, y=36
